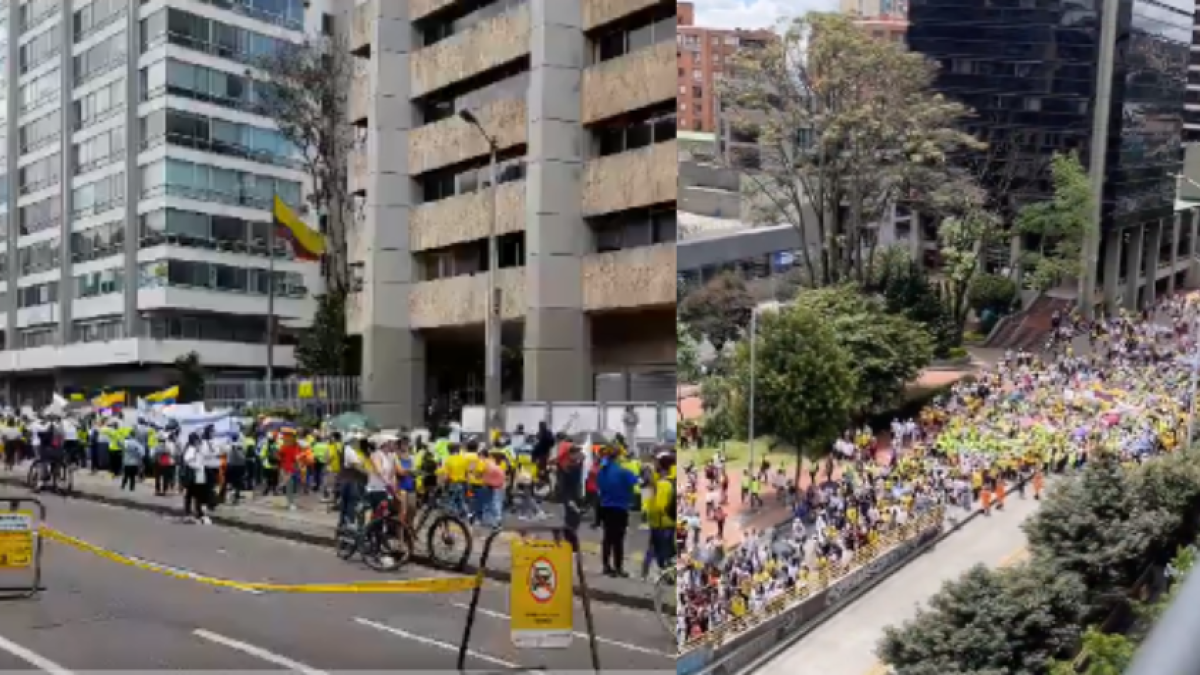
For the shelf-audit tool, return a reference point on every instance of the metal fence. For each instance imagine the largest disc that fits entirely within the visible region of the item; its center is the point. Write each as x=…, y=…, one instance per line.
x=654, y=420
x=316, y=395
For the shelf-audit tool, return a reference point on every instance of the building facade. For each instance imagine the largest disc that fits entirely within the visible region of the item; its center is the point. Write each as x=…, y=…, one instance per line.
x=577, y=99
x=884, y=19
x=1191, y=115
x=704, y=57
x=137, y=190
x=1051, y=77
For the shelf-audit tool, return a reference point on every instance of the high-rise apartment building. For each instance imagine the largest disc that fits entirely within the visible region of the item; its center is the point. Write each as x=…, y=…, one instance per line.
x=704, y=56
x=575, y=100
x=1034, y=73
x=884, y=19
x=137, y=190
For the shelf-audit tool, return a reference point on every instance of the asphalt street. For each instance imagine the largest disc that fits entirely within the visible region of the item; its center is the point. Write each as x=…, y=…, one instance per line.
x=101, y=615
x=845, y=645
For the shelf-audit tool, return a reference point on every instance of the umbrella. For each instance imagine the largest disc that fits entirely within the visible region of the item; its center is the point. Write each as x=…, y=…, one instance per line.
x=351, y=421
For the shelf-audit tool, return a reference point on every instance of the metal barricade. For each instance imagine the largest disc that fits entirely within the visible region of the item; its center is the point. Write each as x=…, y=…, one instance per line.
x=318, y=396
x=655, y=420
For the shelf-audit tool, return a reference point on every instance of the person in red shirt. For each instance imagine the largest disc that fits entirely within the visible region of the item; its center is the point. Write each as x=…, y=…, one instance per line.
x=289, y=465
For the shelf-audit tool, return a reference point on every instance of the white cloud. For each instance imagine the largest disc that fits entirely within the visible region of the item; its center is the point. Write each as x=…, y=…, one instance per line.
x=754, y=13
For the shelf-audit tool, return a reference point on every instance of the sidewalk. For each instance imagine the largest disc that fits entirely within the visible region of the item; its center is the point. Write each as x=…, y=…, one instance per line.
x=741, y=519
x=312, y=523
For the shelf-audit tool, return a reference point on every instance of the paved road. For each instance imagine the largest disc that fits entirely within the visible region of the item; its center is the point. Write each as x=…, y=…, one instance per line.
x=845, y=645
x=98, y=615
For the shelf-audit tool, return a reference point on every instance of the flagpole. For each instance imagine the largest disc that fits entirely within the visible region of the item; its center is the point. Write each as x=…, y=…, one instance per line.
x=271, y=307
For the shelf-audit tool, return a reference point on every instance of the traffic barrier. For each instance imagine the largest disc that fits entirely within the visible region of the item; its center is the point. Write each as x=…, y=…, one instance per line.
x=732, y=646
x=431, y=585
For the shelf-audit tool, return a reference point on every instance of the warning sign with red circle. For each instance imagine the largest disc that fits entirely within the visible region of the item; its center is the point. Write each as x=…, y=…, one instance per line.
x=541, y=594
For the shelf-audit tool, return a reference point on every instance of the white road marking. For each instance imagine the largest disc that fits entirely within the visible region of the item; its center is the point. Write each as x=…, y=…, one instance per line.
x=33, y=659
x=434, y=643
x=608, y=641
x=259, y=652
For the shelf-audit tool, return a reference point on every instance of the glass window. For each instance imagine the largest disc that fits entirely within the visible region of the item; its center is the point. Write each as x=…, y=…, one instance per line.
x=96, y=15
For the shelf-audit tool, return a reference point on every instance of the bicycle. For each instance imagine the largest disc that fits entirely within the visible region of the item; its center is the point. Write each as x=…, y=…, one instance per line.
x=666, y=599
x=61, y=475
x=386, y=543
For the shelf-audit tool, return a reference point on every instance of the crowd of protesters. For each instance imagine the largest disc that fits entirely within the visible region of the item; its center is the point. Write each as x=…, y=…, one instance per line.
x=1124, y=391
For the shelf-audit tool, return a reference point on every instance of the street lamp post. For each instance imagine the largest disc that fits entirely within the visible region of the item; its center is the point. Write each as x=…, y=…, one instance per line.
x=491, y=322
x=753, y=375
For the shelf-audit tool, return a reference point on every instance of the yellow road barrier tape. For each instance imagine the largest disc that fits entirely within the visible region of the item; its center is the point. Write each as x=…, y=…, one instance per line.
x=432, y=585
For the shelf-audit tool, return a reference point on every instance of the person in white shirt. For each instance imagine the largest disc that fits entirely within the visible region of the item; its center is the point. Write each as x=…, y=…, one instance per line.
x=198, y=491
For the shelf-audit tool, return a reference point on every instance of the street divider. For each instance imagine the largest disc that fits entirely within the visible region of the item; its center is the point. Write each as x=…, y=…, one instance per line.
x=431, y=585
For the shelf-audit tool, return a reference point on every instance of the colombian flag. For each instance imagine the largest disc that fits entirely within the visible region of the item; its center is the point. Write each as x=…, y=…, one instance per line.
x=165, y=396
x=307, y=244
x=111, y=400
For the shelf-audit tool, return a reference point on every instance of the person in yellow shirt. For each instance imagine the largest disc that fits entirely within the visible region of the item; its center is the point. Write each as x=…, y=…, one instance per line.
x=661, y=509
x=475, y=464
x=455, y=472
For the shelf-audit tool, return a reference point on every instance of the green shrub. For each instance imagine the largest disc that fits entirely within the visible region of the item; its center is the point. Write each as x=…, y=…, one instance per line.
x=992, y=292
x=958, y=353
x=973, y=338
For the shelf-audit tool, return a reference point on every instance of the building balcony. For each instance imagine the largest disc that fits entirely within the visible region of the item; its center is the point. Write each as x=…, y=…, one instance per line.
x=467, y=217
x=485, y=46
x=630, y=180
x=359, y=103
x=142, y=352
x=419, y=9
x=633, y=278
x=600, y=12
x=358, y=171
x=631, y=82
x=462, y=301
x=452, y=140
x=362, y=28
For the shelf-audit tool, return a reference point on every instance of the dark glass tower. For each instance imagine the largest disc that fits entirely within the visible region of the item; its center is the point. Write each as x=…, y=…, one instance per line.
x=1031, y=69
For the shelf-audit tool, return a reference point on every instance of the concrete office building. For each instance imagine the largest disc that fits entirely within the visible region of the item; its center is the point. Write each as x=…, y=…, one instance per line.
x=137, y=190
x=1191, y=115
x=1105, y=79
x=578, y=98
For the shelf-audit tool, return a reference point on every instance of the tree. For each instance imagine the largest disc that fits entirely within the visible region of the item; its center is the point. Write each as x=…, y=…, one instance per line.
x=720, y=410
x=1012, y=620
x=191, y=377
x=804, y=381
x=907, y=291
x=308, y=99
x=324, y=346
x=847, y=126
x=687, y=354
x=963, y=239
x=1107, y=654
x=1097, y=528
x=887, y=351
x=1059, y=226
x=719, y=310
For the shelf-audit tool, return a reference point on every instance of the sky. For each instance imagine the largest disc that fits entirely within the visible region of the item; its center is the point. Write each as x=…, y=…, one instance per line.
x=754, y=13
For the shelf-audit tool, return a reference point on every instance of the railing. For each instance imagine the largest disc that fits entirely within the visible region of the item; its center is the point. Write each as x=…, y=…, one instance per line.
x=1172, y=646
x=321, y=395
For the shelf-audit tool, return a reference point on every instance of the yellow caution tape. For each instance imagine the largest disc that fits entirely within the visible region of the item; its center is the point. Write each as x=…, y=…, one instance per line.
x=432, y=585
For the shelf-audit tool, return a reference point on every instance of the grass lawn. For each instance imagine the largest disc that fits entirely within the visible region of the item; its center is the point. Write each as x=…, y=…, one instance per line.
x=737, y=454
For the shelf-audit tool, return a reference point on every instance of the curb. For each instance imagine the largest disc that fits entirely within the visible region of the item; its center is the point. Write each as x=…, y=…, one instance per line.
x=328, y=541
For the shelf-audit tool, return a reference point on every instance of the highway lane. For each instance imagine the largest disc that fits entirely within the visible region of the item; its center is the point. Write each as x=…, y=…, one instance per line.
x=97, y=614
x=845, y=645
